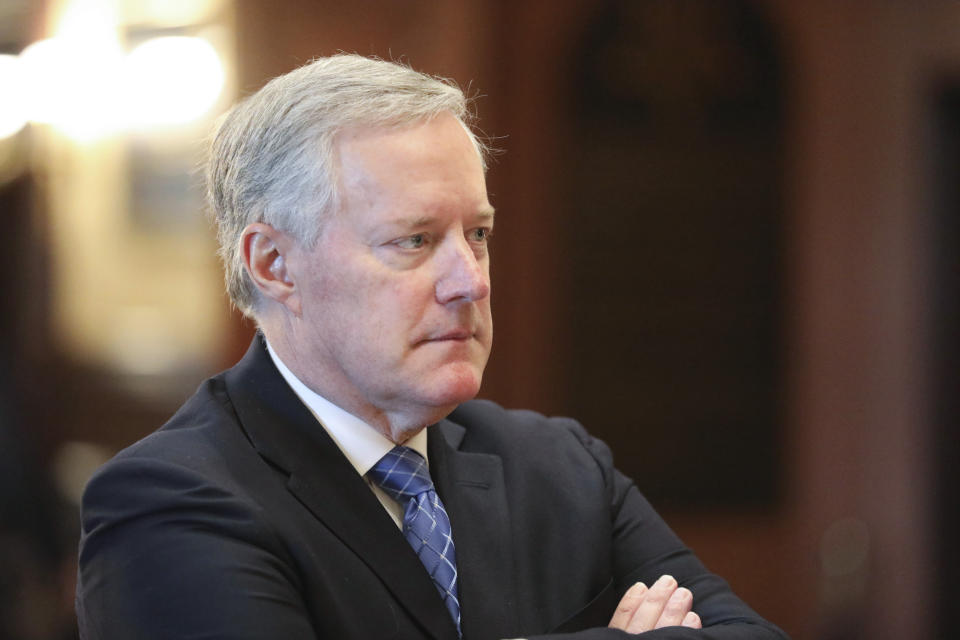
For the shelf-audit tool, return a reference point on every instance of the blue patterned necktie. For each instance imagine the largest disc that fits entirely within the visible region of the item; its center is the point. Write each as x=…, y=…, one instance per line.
x=403, y=474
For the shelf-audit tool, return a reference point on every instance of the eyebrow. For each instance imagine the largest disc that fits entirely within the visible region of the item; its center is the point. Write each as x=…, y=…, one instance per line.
x=485, y=214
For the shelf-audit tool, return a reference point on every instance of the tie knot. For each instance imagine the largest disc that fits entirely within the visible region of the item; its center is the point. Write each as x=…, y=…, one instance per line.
x=402, y=473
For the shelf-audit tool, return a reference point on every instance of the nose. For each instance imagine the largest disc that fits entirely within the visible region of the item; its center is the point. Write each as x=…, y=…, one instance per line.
x=463, y=275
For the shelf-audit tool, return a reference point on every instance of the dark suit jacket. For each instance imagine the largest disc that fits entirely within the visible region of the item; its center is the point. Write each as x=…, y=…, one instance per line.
x=240, y=518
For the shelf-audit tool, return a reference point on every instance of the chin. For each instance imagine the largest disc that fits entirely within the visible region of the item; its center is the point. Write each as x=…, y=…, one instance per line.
x=456, y=385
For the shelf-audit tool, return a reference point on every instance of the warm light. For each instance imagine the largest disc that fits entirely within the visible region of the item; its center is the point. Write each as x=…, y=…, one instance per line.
x=89, y=21
x=172, y=13
x=172, y=80
x=81, y=82
x=72, y=85
x=13, y=112
x=46, y=77
x=73, y=77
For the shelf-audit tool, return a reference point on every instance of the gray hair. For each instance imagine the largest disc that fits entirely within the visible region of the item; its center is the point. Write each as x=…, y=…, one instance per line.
x=272, y=157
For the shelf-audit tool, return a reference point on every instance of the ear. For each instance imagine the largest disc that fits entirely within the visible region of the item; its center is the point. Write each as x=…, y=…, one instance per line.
x=265, y=251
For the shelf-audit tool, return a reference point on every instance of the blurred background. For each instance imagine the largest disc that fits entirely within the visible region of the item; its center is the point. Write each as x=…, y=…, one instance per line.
x=727, y=241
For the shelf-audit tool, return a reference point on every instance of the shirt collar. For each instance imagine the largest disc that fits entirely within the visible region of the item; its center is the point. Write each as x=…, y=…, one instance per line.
x=362, y=444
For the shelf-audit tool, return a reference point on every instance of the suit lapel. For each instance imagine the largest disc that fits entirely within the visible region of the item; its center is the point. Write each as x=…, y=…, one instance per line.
x=284, y=431
x=472, y=488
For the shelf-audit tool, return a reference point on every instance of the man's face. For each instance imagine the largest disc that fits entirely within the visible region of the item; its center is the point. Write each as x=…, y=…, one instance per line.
x=395, y=296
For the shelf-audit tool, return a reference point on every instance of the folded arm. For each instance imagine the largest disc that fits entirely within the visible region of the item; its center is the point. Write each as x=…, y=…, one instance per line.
x=645, y=549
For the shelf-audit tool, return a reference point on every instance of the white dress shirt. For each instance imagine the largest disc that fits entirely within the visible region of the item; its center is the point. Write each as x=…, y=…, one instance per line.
x=360, y=443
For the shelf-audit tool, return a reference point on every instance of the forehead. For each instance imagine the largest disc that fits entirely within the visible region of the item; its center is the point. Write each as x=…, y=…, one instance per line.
x=433, y=160
x=442, y=137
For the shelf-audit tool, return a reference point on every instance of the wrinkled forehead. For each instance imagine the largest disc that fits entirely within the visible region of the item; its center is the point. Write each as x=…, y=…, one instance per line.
x=425, y=149
x=429, y=168
x=455, y=126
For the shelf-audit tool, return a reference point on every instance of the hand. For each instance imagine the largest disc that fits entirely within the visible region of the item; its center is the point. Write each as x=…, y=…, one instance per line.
x=662, y=605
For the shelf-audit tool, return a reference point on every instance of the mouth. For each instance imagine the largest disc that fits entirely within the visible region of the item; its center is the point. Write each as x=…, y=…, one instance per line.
x=456, y=335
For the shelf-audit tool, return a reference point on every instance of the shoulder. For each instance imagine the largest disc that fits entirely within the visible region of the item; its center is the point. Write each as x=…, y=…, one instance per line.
x=202, y=425
x=528, y=434
x=486, y=415
x=198, y=472
x=197, y=447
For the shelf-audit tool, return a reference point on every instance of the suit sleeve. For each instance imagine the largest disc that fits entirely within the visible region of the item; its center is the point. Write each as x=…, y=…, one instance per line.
x=165, y=555
x=645, y=548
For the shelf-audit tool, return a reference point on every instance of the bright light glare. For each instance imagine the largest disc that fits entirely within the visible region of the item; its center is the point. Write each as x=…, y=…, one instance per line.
x=73, y=85
x=172, y=80
x=13, y=112
x=89, y=21
x=45, y=74
x=86, y=88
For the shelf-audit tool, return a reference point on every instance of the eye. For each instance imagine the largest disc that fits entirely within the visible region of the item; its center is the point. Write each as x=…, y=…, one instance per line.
x=480, y=234
x=415, y=241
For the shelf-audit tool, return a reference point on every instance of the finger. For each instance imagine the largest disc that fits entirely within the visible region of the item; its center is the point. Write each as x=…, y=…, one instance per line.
x=676, y=609
x=691, y=620
x=651, y=608
x=628, y=606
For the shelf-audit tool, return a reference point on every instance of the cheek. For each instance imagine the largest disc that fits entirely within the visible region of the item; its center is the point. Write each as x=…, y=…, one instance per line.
x=406, y=296
x=387, y=314
x=373, y=302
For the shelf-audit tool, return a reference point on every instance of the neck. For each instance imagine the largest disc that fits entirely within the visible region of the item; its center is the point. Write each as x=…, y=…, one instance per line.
x=398, y=424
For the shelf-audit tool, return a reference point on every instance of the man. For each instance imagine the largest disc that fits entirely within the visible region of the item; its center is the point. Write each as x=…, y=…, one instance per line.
x=354, y=221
